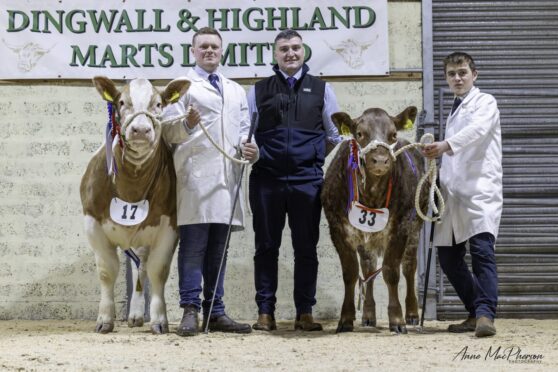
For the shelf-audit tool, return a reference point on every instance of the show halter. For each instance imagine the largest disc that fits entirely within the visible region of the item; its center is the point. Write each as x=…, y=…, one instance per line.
x=115, y=129
x=355, y=165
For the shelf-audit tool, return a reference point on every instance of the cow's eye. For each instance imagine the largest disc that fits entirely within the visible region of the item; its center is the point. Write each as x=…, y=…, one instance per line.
x=394, y=137
x=359, y=134
x=159, y=105
x=121, y=103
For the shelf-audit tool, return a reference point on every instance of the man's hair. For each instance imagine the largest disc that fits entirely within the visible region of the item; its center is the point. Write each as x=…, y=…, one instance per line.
x=206, y=31
x=458, y=58
x=287, y=34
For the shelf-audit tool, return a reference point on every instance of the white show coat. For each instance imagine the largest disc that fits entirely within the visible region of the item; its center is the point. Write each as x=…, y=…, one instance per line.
x=206, y=180
x=471, y=173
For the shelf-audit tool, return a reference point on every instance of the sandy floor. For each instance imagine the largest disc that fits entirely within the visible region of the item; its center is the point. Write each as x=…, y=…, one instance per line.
x=71, y=345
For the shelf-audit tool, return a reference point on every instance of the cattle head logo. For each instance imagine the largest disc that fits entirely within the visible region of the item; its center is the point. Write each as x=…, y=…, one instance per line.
x=28, y=54
x=351, y=51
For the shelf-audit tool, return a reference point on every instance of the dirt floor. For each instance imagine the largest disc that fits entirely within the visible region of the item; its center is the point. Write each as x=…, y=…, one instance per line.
x=520, y=345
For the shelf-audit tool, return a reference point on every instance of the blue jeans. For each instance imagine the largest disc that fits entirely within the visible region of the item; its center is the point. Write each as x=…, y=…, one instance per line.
x=477, y=290
x=199, y=255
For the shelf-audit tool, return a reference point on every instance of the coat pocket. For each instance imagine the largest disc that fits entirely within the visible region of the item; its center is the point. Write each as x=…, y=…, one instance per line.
x=205, y=162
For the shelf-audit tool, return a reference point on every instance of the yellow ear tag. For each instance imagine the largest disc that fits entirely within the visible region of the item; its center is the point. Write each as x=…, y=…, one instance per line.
x=107, y=96
x=175, y=96
x=345, y=131
x=408, y=125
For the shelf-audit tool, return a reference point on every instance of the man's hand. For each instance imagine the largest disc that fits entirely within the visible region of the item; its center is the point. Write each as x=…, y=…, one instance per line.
x=193, y=117
x=250, y=151
x=435, y=149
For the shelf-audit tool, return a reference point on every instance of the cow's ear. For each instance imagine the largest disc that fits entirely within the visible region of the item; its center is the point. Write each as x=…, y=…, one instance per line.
x=106, y=88
x=344, y=123
x=174, y=90
x=406, y=119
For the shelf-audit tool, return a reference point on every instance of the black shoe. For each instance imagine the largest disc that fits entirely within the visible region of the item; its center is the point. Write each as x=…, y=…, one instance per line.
x=189, y=324
x=223, y=323
x=468, y=325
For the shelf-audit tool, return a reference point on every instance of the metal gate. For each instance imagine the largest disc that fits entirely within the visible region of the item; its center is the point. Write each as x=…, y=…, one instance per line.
x=515, y=46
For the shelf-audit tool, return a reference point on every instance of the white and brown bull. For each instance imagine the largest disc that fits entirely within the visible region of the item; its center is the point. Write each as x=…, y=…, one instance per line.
x=368, y=199
x=134, y=207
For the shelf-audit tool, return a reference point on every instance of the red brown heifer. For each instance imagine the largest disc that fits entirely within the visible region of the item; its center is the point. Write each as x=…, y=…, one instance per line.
x=134, y=207
x=368, y=199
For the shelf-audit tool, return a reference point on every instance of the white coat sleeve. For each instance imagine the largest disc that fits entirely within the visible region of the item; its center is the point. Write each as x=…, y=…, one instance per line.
x=482, y=121
x=176, y=131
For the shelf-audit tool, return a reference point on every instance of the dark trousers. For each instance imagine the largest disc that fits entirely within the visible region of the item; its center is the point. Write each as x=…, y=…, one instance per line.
x=271, y=201
x=199, y=256
x=477, y=290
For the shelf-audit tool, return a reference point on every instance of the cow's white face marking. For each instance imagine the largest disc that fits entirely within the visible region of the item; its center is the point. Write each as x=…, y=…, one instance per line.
x=141, y=131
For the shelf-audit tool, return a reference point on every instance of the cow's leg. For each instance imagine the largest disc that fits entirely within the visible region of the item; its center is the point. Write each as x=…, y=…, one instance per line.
x=349, y=264
x=107, y=269
x=158, y=267
x=368, y=264
x=137, y=302
x=390, y=271
x=409, y=270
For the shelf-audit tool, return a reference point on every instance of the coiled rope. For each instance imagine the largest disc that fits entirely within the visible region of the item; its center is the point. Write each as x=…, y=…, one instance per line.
x=431, y=174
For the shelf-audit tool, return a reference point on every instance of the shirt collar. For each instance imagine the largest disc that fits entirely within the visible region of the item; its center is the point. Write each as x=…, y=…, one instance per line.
x=465, y=95
x=204, y=74
x=297, y=75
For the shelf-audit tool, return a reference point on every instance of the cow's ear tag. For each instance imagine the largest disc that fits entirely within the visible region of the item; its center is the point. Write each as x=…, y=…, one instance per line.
x=408, y=125
x=345, y=131
x=175, y=96
x=107, y=96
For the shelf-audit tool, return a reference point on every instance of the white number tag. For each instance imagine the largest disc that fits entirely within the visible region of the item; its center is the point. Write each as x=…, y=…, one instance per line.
x=128, y=214
x=367, y=220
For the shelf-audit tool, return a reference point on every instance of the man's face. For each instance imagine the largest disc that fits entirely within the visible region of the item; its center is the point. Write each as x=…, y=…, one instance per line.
x=460, y=78
x=207, y=51
x=289, y=54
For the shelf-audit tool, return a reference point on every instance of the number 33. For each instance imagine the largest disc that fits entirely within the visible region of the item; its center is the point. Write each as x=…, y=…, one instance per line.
x=371, y=218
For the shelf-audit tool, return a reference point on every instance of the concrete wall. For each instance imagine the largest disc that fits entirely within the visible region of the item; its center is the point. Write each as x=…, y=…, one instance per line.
x=49, y=131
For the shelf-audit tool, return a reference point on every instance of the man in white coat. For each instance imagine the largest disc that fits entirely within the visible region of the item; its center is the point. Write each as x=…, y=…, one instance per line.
x=471, y=180
x=206, y=183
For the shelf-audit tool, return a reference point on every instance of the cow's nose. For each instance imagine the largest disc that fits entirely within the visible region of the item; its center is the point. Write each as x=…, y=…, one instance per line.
x=141, y=130
x=380, y=160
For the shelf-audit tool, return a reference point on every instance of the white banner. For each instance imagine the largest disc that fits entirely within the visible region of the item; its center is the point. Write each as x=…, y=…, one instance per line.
x=67, y=39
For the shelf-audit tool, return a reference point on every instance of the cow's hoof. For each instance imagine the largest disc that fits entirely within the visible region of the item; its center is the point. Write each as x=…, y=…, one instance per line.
x=135, y=322
x=344, y=327
x=398, y=329
x=104, y=328
x=369, y=322
x=159, y=328
x=412, y=320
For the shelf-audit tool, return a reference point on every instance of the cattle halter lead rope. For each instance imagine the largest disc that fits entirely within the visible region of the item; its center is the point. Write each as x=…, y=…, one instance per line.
x=431, y=174
x=157, y=122
x=205, y=131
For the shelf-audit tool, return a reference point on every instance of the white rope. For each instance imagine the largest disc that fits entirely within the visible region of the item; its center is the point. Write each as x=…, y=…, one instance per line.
x=431, y=174
x=205, y=131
